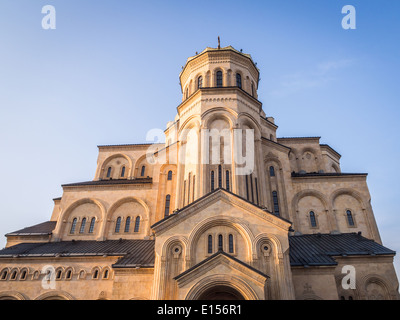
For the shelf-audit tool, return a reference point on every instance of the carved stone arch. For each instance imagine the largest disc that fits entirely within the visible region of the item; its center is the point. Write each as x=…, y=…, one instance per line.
x=173, y=263
x=103, y=270
x=335, y=167
x=237, y=224
x=170, y=242
x=165, y=168
x=62, y=223
x=114, y=156
x=222, y=280
x=27, y=270
x=93, y=270
x=327, y=222
x=55, y=295
x=15, y=269
x=245, y=118
x=114, y=207
x=271, y=158
x=376, y=279
x=190, y=123
x=309, y=192
x=142, y=160
x=118, y=203
x=259, y=239
x=308, y=149
x=351, y=192
x=12, y=295
x=218, y=113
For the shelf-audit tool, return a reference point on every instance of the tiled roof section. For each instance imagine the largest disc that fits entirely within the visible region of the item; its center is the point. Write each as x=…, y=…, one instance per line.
x=43, y=228
x=319, y=249
x=135, y=253
x=110, y=182
x=325, y=174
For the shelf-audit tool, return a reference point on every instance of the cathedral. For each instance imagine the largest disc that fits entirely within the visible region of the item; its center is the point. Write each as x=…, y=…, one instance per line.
x=223, y=210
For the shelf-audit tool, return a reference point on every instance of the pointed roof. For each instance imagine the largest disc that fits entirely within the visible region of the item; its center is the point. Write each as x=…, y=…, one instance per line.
x=213, y=257
x=187, y=209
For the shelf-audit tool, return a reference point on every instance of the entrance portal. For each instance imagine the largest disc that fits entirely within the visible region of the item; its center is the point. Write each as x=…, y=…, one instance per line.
x=221, y=293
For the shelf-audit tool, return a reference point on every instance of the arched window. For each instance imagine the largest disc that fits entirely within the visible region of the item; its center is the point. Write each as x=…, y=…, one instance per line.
x=187, y=93
x=59, y=274
x=73, y=226
x=123, y=172
x=271, y=171
x=105, y=274
x=82, y=229
x=69, y=275
x=23, y=275
x=227, y=179
x=4, y=275
x=313, y=219
x=127, y=224
x=167, y=204
x=212, y=181
x=143, y=171
x=219, y=176
x=231, y=243
x=276, y=202
x=210, y=244
x=109, y=172
x=252, y=89
x=238, y=80
x=92, y=222
x=13, y=275
x=220, y=242
x=137, y=224
x=199, y=82
x=169, y=175
x=219, y=78
x=96, y=274
x=350, y=219
x=118, y=225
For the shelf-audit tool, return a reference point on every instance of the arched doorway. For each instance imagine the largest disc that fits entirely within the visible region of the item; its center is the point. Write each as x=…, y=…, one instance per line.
x=221, y=293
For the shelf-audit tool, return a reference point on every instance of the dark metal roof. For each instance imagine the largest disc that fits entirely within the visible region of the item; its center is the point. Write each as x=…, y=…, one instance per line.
x=319, y=249
x=44, y=228
x=110, y=182
x=134, y=253
x=323, y=174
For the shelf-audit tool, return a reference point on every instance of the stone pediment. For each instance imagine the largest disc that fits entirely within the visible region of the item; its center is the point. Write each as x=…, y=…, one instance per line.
x=221, y=195
x=219, y=268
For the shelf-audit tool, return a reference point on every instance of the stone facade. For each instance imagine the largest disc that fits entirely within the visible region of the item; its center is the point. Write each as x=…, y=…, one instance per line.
x=219, y=202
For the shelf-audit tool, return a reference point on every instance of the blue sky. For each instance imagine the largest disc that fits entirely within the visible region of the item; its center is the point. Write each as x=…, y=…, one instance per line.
x=109, y=73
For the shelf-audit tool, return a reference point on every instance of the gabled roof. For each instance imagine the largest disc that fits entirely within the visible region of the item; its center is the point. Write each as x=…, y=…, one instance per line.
x=44, y=228
x=135, y=253
x=212, y=257
x=181, y=211
x=320, y=249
